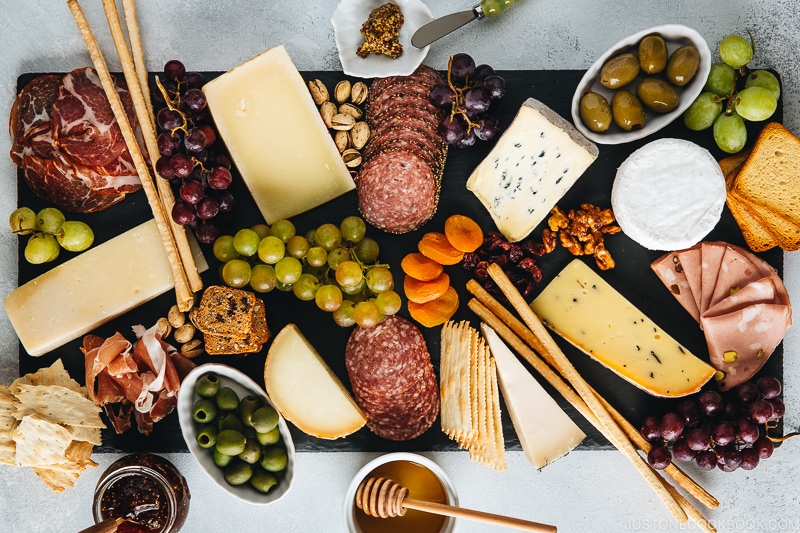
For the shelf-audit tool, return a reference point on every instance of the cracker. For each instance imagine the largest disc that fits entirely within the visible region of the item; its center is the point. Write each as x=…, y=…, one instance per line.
x=498, y=459
x=56, y=480
x=7, y=424
x=40, y=442
x=223, y=345
x=86, y=434
x=57, y=403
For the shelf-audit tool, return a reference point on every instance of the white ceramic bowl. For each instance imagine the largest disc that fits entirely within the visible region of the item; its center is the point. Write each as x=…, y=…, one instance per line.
x=242, y=385
x=347, y=21
x=675, y=36
x=350, y=509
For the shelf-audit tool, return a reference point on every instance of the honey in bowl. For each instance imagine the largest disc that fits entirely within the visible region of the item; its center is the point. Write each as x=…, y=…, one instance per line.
x=422, y=484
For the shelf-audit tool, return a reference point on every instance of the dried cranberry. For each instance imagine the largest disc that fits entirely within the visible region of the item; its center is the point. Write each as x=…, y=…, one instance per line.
x=533, y=248
x=481, y=275
x=470, y=261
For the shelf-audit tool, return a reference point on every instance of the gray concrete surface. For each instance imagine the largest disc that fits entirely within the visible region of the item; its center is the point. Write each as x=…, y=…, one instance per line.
x=584, y=492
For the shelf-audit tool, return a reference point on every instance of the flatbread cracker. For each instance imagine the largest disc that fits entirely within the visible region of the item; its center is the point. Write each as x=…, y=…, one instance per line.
x=40, y=442
x=7, y=424
x=57, y=403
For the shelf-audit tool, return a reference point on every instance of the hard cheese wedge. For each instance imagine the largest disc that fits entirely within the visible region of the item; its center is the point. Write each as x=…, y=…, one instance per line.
x=538, y=158
x=545, y=431
x=581, y=307
x=305, y=390
x=276, y=137
x=93, y=288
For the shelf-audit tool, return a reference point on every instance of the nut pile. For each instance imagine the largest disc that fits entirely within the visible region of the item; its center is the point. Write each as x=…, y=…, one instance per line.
x=581, y=232
x=183, y=332
x=344, y=116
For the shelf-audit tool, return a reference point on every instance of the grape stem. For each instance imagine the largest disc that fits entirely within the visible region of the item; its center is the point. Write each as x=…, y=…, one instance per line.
x=783, y=438
x=458, y=101
x=174, y=106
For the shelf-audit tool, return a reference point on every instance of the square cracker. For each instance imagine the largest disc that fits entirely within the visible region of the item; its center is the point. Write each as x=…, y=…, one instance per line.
x=40, y=442
x=61, y=404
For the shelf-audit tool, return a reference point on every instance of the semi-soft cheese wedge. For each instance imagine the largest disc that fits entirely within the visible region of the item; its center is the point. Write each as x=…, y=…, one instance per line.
x=305, y=390
x=534, y=163
x=588, y=312
x=276, y=137
x=92, y=288
x=545, y=431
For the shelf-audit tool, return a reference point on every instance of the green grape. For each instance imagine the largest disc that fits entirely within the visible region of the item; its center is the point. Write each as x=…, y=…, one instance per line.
x=720, y=80
x=367, y=250
x=236, y=273
x=388, y=302
x=338, y=256
x=702, y=113
x=765, y=79
x=309, y=235
x=262, y=278
x=306, y=287
x=297, y=246
x=283, y=287
x=755, y=104
x=343, y=316
x=730, y=133
x=354, y=289
x=261, y=229
x=49, y=220
x=75, y=236
x=41, y=248
x=317, y=256
x=735, y=50
x=271, y=249
x=224, y=250
x=22, y=221
x=353, y=228
x=328, y=236
x=288, y=270
x=366, y=314
x=329, y=298
x=282, y=229
x=349, y=274
x=379, y=279
x=246, y=242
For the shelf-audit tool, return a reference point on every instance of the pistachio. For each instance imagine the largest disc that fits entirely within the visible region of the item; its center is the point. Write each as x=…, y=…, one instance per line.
x=359, y=93
x=351, y=158
x=359, y=135
x=184, y=333
x=163, y=325
x=318, y=91
x=328, y=110
x=342, y=140
x=352, y=110
x=193, y=348
x=341, y=93
x=342, y=122
x=176, y=317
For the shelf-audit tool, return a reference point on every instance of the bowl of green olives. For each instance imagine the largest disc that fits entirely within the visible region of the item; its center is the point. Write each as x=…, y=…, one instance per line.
x=641, y=84
x=235, y=433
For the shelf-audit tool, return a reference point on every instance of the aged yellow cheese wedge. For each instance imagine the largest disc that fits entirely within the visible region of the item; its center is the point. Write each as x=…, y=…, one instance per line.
x=588, y=312
x=305, y=390
x=276, y=137
x=92, y=288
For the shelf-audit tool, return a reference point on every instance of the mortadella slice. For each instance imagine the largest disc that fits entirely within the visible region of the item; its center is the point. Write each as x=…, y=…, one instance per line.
x=691, y=262
x=755, y=292
x=736, y=271
x=711, y=254
x=672, y=274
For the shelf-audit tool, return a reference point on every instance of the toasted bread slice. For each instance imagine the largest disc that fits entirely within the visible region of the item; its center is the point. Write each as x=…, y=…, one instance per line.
x=784, y=232
x=225, y=311
x=221, y=345
x=757, y=237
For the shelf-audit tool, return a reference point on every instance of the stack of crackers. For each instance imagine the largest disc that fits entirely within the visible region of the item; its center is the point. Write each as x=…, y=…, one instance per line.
x=470, y=397
x=233, y=321
x=48, y=422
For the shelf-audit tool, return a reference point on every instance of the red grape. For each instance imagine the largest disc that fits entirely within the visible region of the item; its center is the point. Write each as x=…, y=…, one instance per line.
x=195, y=100
x=747, y=431
x=764, y=447
x=451, y=130
x=706, y=460
x=477, y=100
x=191, y=191
x=747, y=392
x=462, y=66
x=168, y=143
x=181, y=165
x=207, y=208
x=698, y=439
x=182, y=213
x=651, y=428
x=194, y=80
x=482, y=72
x=220, y=178
x=690, y=411
x=769, y=387
x=778, y=408
x=495, y=86
x=488, y=127
x=209, y=132
x=659, y=457
x=168, y=119
x=164, y=167
x=441, y=95
x=174, y=70
x=761, y=411
x=671, y=426
x=710, y=402
x=681, y=450
x=207, y=231
x=226, y=202
x=195, y=140
x=723, y=433
x=750, y=458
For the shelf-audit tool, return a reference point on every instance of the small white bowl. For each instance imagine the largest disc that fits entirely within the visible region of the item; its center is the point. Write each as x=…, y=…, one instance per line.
x=350, y=509
x=347, y=21
x=242, y=385
x=675, y=36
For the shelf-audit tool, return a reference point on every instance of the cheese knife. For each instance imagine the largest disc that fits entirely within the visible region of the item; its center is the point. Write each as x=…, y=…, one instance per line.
x=438, y=28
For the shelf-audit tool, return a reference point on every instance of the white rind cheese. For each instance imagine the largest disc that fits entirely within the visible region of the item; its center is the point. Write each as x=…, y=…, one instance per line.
x=534, y=163
x=276, y=137
x=588, y=312
x=305, y=390
x=92, y=288
x=545, y=431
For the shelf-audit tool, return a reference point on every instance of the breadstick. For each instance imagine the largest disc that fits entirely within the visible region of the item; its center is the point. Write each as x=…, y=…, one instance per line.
x=134, y=36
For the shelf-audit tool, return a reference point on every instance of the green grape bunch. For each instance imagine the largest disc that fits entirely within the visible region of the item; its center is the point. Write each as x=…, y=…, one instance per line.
x=335, y=266
x=49, y=232
x=733, y=94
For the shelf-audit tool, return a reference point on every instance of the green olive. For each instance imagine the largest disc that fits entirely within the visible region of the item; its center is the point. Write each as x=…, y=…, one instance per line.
x=207, y=436
x=264, y=419
x=619, y=71
x=658, y=95
x=247, y=406
x=222, y=460
x=230, y=442
x=238, y=472
x=653, y=54
x=230, y=421
x=595, y=112
x=270, y=437
x=682, y=65
x=207, y=386
x=252, y=451
x=227, y=400
x=263, y=481
x=627, y=111
x=274, y=459
x=204, y=411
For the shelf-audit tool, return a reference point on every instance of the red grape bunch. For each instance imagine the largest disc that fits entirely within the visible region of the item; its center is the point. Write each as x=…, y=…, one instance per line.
x=197, y=166
x=727, y=432
x=469, y=94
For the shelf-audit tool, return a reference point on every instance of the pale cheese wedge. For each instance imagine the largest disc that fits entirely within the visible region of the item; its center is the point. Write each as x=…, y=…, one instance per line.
x=305, y=390
x=545, y=431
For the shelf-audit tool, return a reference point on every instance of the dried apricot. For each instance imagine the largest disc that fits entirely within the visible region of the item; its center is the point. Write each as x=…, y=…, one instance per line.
x=436, y=246
x=424, y=291
x=420, y=267
x=463, y=233
x=435, y=312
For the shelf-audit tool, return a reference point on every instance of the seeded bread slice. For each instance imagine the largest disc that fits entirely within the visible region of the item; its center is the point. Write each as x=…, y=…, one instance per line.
x=225, y=311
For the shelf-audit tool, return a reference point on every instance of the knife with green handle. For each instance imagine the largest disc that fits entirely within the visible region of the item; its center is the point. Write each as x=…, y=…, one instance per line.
x=440, y=27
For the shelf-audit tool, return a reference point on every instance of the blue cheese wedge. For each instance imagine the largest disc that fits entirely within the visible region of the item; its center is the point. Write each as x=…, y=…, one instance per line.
x=534, y=163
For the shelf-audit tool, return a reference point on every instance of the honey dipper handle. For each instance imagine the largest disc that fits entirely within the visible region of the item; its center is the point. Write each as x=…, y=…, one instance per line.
x=489, y=518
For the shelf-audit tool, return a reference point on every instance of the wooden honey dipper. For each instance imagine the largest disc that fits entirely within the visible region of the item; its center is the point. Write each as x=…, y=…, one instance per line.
x=385, y=498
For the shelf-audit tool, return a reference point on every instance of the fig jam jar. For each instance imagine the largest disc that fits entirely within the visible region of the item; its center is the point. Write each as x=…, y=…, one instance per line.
x=147, y=490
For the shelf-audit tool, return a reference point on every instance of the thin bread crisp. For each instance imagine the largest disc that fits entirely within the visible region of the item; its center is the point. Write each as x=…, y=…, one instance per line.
x=224, y=311
x=757, y=237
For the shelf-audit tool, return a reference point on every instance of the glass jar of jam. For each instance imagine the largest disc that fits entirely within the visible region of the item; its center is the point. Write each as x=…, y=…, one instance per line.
x=145, y=489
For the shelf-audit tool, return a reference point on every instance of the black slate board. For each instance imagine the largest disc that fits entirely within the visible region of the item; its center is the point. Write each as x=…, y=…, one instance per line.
x=632, y=277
